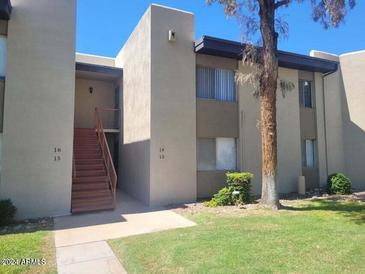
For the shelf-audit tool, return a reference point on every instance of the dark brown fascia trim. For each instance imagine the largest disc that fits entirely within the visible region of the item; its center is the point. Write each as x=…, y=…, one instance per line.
x=116, y=72
x=5, y=9
x=232, y=49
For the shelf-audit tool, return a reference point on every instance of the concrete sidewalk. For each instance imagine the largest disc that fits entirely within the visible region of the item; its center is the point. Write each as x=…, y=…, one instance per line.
x=95, y=257
x=81, y=239
x=129, y=218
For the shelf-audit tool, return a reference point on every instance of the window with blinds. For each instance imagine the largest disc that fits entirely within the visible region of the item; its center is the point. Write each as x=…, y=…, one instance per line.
x=3, y=55
x=305, y=94
x=216, y=84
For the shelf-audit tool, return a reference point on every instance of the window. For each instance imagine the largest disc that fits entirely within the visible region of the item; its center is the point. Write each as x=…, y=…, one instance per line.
x=213, y=83
x=305, y=94
x=217, y=154
x=226, y=154
x=3, y=54
x=309, y=153
x=206, y=154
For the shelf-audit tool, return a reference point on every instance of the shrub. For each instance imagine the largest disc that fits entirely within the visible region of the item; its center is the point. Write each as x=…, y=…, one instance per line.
x=7, y=212
x=237, y=191
x=338, y=183
x=222, y=198
x=241, y=183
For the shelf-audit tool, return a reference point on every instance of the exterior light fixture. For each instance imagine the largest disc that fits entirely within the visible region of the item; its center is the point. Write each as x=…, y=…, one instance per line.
x=172, y=36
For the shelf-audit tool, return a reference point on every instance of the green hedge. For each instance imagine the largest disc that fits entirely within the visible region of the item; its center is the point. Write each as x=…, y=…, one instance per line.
x=7, y=212
x=338, y=183
x=237, y=191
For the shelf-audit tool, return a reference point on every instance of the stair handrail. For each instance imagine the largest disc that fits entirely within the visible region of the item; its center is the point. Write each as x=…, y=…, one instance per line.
x=73, y=165
x=108, y=160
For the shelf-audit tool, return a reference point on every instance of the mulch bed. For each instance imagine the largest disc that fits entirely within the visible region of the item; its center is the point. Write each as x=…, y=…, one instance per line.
x=199, y=207
x=26, y=226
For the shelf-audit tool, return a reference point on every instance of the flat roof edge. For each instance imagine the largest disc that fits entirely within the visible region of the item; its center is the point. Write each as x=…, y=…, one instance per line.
x=233, y=49
x=86, y=67
x=5, y=9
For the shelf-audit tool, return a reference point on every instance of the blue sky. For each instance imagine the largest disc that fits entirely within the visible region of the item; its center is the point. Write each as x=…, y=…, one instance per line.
x=104, y=26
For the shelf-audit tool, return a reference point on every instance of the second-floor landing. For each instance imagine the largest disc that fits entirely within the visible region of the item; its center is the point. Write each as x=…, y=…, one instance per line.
x=97, y=85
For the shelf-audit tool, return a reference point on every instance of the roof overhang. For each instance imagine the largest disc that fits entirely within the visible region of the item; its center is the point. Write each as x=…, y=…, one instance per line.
x=231, y=49
x=5, y=9
x=93, y=71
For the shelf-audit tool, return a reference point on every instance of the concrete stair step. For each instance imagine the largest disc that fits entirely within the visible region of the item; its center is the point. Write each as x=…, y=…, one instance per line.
x=90, y=186
x=86, y=147
x=94, y=149
x=89, y=167
x=90, y=179
x=92, y=200
x=90, y=173
x=92, y=208
x=80, y=162
x=77, y=194
x=88, y=156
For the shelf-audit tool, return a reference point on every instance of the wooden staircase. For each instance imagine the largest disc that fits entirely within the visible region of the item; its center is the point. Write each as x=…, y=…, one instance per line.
x=91, y=186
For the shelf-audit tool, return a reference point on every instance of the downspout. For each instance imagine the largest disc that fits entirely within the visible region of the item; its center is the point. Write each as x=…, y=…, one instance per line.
x=324, y=75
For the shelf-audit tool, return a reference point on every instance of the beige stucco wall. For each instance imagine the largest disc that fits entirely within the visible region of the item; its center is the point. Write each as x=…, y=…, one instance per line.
x=3, y=27
x=173, y=108
x=86, y=102
x=344, y=116
x=322, y=171
x=210, y=182
x=308, y=123
x=216, y=119
x=39, y=107
x=216, y=62
x=158, y=156
x=135, y=59
x=353, y=69
x=288, y=119
x=332, y=124
x=2, y=92
x=309, y=127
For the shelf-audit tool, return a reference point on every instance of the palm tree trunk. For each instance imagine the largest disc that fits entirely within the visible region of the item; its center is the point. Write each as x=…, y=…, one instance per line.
x=268, y=87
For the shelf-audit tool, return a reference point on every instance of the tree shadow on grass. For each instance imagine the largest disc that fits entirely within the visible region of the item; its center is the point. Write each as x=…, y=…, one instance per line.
x=354, y=210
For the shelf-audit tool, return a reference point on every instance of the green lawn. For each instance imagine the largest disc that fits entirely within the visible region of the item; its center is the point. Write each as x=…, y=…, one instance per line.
x=309, y=237
x=37, y=245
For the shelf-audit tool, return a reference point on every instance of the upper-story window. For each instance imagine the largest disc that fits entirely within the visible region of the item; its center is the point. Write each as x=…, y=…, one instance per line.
x=3, y=54
x=214, y=83
x=305, y=94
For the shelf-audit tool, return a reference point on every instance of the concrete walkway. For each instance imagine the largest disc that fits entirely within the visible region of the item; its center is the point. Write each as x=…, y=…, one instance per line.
x=81, y=239
x=95, y=257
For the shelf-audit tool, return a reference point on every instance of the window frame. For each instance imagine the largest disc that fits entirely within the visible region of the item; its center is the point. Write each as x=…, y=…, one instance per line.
x=214, y=93
x=305, y=149
x=215, y=155
x=3, y=55
x=302, y=94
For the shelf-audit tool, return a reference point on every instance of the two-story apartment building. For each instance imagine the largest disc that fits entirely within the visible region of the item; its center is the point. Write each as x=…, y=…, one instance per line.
x=170, y=119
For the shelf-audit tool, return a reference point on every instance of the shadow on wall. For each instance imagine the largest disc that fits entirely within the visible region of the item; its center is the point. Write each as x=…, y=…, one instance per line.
x=134, y=172
x=354, y=136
